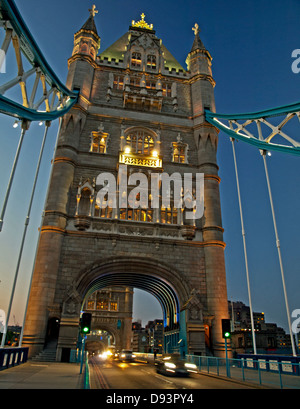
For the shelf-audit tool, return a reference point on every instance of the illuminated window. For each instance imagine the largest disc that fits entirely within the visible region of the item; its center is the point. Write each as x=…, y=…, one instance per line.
x=169, y=215
x=103, y=211
x=91, y=305
x=98, y=145
x=99, y=142
x=151, y=62
x=135, y=81
x=102, y=305
x=113, y=306
x=97, y=211
x=139, y=214
x=166, y=90
x=140, y=142
x=150, y=85
x=179, y=154
x=118, y=82
x=136, y=60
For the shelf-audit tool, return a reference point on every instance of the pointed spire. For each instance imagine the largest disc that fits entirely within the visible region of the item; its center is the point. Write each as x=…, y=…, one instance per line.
x=199, y=58
x=87, y=40
x=197, y=44
x=90, y=23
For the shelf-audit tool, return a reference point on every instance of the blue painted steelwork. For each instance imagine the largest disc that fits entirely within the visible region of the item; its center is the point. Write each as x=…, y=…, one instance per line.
x=12, y=108
x=35, y=57
x=257, y=117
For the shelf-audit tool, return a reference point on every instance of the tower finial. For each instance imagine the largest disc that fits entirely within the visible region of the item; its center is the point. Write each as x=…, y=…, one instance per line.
x=142, y=23
x=93, y=11
x=196, y=29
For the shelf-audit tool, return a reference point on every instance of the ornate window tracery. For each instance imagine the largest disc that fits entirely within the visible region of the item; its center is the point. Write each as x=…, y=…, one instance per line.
x=151, y=62
x=118, y=82
x=140, y=142
x=102, y=301
x=179, y=153
x=136, y=60
x=99, y=140
x=166, y=90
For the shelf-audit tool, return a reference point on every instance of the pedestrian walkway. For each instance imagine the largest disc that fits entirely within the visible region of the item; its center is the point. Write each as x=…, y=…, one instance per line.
x=43, y=375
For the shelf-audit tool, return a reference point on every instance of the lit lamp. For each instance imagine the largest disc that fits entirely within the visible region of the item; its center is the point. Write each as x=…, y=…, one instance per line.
x=127, y=149
x=154, y=153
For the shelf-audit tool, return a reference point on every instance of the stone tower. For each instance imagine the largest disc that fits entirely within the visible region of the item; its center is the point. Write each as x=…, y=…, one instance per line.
x=139, y=120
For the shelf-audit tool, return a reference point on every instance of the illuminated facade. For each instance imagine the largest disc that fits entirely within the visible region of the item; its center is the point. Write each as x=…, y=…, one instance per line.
x=139, y=108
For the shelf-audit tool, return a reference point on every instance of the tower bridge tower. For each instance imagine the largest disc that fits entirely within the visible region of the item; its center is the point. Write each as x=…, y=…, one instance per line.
x=139, y=118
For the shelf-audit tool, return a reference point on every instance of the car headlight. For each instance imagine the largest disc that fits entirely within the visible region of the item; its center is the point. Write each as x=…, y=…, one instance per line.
x=191, y=366
x=123, y=356
x=133, y=356
x=170, y=365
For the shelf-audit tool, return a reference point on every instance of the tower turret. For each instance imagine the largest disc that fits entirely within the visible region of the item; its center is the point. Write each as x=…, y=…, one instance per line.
x=199, y=64
x=87, y=40
x=206, y=139
x=83, y=60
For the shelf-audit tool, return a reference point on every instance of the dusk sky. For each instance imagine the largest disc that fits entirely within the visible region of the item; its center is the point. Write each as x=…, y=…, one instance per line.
x=251, y=44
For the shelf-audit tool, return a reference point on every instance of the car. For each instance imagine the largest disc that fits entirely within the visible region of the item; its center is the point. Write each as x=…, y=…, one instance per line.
x=174, y=365
x=126, y=355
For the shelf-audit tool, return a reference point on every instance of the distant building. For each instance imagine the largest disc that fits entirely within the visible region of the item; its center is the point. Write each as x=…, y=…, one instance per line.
x=149, y=338
x=269, y=338
x=139, y=338
x=155, y=331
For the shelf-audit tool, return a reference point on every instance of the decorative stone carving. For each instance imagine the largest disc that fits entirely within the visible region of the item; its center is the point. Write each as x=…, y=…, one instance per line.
x=72, y=304
x=194, y=307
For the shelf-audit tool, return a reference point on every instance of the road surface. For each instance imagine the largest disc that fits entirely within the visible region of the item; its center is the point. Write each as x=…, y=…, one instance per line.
x=112, y=374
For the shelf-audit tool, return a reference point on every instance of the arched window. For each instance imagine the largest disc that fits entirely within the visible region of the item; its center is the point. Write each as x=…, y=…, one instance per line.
x=84, y=48
x=98, y=144
x=166, y=90
x=99, y=140
x=103, y=210
x=151, y=62
x=92, y=52
x=136, y=60
x=179, y=154
x=140, y=141
x=118, y=82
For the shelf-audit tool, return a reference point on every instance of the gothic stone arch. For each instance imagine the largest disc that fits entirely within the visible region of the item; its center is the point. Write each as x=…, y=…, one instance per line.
x=133, y=270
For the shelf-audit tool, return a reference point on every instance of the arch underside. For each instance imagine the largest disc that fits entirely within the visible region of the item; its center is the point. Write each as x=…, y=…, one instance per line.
x=165, y=283
x=161, y=290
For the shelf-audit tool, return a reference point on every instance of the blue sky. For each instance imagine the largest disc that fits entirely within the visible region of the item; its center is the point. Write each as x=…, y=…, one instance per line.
x=251, y=44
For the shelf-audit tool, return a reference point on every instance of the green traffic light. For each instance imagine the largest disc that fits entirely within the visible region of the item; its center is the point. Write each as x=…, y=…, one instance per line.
x=85, y=329
x=227, y=334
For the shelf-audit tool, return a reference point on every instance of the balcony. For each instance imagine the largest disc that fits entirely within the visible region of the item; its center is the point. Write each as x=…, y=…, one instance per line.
x=142, y=98
x=140, y=160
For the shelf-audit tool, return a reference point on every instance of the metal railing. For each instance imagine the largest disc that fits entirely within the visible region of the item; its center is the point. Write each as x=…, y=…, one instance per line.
x=12, y=356
x=270, y=373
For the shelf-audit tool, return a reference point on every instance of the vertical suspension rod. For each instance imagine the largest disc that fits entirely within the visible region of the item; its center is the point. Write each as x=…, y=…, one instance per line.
x=23, y=237
x=263, y=153
x=24, y=126
x=245, y=249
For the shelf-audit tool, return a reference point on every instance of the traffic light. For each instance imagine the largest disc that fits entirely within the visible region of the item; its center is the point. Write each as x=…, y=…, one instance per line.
x=226, y=331
x=85, y=323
